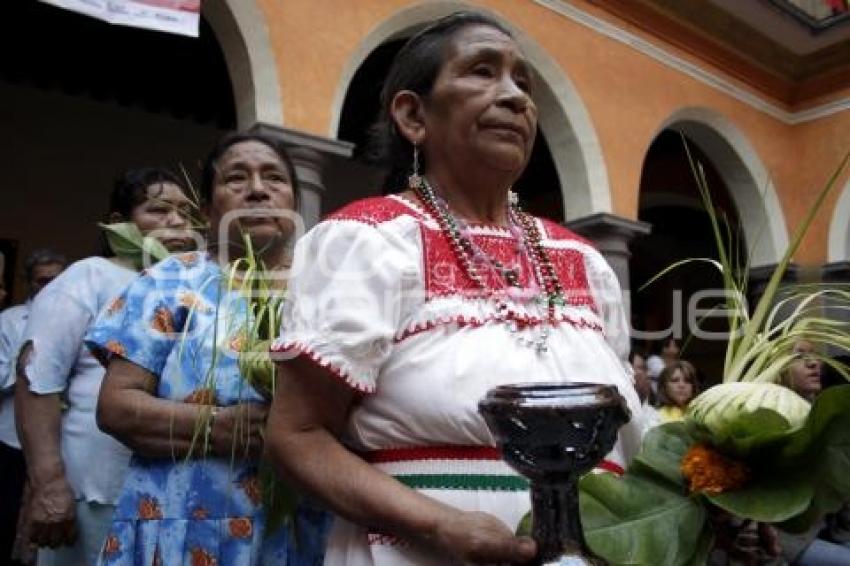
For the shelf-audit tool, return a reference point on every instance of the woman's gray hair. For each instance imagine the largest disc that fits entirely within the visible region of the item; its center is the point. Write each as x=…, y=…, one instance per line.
x=42, y=256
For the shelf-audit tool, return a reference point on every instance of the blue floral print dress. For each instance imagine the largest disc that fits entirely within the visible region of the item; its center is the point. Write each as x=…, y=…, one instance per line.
x=177, y=322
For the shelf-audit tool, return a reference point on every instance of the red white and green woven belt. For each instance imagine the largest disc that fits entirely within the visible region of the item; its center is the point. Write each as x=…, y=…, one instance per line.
x=473, y=468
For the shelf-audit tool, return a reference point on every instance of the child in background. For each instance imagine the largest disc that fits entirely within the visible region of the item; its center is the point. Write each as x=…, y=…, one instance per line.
x=677, y=386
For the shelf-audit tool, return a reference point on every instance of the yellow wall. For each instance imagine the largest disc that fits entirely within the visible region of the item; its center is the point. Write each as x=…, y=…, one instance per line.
x=627, y=94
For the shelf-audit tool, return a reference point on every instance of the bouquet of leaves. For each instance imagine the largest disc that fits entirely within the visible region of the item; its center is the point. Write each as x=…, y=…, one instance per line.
x=260, y=326
x=748, y=448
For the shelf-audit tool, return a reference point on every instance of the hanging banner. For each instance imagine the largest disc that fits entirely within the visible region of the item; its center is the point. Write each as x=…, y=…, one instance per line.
x=173, y=16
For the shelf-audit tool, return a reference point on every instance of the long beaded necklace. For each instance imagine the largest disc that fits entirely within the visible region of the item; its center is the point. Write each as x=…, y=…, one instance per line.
x=530, y=241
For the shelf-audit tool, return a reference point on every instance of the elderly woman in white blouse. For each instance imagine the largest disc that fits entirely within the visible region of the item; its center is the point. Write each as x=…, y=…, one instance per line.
x=404, y=310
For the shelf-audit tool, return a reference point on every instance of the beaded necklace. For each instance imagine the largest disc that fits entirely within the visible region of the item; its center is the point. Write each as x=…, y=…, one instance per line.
x=529, y=241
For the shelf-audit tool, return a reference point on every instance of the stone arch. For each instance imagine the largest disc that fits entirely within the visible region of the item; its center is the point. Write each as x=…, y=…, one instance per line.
x=563, y=117
x=839, y=229
x=242, y=33
x=745, y=176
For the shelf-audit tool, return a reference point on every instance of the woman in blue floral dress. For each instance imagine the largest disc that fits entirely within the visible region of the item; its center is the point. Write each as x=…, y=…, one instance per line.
x=173, y=391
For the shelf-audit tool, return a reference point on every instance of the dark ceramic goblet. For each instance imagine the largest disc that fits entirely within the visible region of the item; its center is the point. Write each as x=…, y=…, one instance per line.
x=553, y=433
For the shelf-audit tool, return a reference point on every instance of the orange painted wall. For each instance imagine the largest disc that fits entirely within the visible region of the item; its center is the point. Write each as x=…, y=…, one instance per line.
x=627, y=94
x=819, y=147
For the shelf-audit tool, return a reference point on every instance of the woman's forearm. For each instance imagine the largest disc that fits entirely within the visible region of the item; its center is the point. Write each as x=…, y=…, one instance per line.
x=317, y=463
x=39, y=422
x=153, y=427
x=308, y=414
x=129, y=410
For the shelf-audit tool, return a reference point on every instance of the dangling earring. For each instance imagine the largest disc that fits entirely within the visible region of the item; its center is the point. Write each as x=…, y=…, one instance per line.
x=513, y=198
x=414, y=180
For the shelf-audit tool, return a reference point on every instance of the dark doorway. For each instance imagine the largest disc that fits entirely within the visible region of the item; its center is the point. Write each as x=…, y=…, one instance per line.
x=82, y=100
x=681, y=229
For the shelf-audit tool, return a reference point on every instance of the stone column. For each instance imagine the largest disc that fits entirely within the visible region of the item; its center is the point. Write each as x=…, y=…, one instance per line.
x=312, y=157
x=611, y=234
x=759, y=277
x=837, y=272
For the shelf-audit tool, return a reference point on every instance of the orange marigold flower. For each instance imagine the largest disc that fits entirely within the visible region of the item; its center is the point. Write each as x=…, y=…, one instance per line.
x=201, y=396
x=201, y=557
x=149, y=509
x=163, y=320
x=116, y=347
x=711, y=472
x=251, y=486
x=111, y=546
x=116, y=305
x=240, y=527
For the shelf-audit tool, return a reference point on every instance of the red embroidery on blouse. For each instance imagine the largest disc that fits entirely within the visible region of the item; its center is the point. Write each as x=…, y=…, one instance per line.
x=555, y=231
x=455, y=452
x=373, y=211
x=444, y=276
x=610, y=466
x=413, y=453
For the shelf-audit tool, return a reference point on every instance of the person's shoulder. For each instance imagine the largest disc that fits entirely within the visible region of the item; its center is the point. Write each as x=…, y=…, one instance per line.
x=14, y=313
x=374, y=211
x=86, y=265
x=77, y=273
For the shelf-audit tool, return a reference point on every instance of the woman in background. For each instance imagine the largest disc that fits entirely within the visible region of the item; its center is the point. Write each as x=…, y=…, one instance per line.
x=175, y=395
x=75, y=471
x=803, y=375
x=677, y=386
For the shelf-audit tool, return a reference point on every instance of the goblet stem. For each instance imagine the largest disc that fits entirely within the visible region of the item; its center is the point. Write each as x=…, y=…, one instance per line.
x=557, y=524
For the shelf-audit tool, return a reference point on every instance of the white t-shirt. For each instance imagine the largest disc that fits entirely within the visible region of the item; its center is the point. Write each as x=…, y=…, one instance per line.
x=95, y=463
x=12, y=323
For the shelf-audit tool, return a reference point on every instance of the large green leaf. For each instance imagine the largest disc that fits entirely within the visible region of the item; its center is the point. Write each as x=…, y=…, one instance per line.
x=754, y=432
x=769, y=498
x=822, y=449
x=632, y=520
x=704, y=546
x=802, y=475
x=661, y=453
x=811, y=439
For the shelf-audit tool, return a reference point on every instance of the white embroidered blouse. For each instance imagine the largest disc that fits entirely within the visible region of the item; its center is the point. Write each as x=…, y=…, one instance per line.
x=378, y=298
